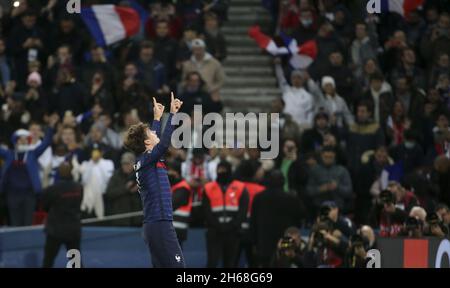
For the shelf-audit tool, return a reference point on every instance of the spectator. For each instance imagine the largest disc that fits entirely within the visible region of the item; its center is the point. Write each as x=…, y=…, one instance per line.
x=437, y=41
x=68, y=95
x=36, y=138
x=184, y=47
x=121, y=193
x=442, y=66
x=151, y=72
x=411, y=98
x=194, y=93
x=409, y=69
x=294, y=171
x=165, y=50
x=328, y=181
x=95, y=175
x=207, y=66
x=66, y=33
x=214, y=38
x=288, y=127
x=100, y=94
x=99, y=62
x=273, y=211
x=362, y=136
x=364, y=47
x=397, y=124
x=63, y=226
x=312, y=139
x=26, y=45
x=335, y=105
x=111, y=137
x=20, y=179
x=300, y=104
x=327, y=42
x=410, y=153
x=306, y=30
x=5, y=65
x=342, y=75
x=380, y=98
x=225, y=206
x=35, y=99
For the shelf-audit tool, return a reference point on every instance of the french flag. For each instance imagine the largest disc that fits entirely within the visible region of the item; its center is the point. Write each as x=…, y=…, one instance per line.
x=109, y=24
x=402, y=7
x=301, y=56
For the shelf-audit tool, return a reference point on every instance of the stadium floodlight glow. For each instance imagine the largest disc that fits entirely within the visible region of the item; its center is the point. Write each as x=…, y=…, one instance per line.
x=16, y=4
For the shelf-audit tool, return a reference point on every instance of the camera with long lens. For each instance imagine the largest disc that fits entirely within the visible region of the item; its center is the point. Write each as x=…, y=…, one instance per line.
x=412, y=224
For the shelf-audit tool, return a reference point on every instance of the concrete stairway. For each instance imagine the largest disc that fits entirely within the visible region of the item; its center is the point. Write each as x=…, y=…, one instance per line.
x=251, y=83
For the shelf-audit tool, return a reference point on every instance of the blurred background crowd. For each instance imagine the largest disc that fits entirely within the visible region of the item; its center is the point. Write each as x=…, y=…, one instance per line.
x=365, y=136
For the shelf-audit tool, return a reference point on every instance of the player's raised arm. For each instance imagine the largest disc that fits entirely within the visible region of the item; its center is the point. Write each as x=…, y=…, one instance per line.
x=158, y=110
x=175, y=104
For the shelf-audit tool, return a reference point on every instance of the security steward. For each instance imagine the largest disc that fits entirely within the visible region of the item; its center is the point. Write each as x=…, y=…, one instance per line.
x=225, y=202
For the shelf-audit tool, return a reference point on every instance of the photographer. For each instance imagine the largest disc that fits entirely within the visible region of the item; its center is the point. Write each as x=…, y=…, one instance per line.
x=290, y=249
x=388, y=218
x=435, y=227
x=357, y=252
x=327, y=245
x=412, y=228
x=341, y=223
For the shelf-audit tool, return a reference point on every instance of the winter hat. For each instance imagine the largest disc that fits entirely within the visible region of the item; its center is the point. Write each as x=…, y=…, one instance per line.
x=328, y=80
x=34, y=76
x=198, y=43
x=19, y=133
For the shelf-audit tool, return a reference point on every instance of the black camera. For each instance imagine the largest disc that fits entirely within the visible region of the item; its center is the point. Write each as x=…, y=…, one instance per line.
x=412, y=224
x=287, y=243
x=387, y=197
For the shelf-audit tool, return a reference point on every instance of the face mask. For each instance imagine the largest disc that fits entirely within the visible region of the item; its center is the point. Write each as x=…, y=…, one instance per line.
x=306, y=22
x=409, y=145
x=224, y=178
x=22, y=148
x=173, y=179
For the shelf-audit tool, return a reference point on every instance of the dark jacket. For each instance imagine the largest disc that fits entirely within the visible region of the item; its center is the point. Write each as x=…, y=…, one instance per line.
x=199, y=97
x=216, y=45
x=62, y=202
x=362, y=138
x=273, y=211
x=166, y=53
x=412, y=158
x=70, y=96
x=119, y=199
x=386, y=103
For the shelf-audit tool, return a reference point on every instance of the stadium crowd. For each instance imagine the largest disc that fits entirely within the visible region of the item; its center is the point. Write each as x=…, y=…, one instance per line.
x=365, y=136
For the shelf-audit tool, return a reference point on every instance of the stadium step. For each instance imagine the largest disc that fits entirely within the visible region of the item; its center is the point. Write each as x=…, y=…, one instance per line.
x=250, y=84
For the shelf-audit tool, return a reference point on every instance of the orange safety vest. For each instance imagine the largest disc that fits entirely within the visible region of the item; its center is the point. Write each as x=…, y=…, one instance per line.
x=182, y=215
x=253, y=189
x=224, y=205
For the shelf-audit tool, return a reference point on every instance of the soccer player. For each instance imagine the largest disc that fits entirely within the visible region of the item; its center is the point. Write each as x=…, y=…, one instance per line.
x=154, y=186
